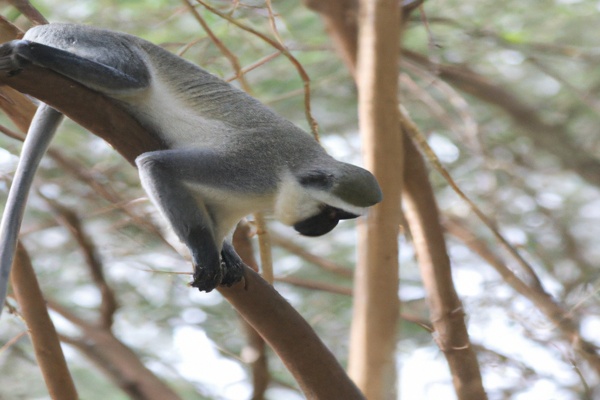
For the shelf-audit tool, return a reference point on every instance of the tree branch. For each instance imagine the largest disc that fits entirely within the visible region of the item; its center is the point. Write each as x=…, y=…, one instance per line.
x=43, y=335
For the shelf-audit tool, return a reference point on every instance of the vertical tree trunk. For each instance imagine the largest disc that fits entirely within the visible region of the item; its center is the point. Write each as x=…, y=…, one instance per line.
x=376, y=304
x=421, y=210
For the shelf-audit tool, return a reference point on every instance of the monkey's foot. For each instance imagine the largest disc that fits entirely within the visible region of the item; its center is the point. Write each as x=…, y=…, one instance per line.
x=13, y=56
x=207, y=278
x=233, y=266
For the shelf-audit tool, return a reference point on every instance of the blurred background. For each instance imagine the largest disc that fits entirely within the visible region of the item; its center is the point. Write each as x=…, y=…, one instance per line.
x=510, y=103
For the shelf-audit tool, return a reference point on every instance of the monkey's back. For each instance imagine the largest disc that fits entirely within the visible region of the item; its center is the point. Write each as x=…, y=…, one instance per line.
x=189, y=106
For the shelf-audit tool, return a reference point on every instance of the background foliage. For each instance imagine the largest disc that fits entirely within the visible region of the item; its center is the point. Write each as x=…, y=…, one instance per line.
x=545, y=206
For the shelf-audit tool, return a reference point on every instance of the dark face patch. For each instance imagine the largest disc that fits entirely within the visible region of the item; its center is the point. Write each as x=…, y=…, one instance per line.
x=317, y=179
x=323, y=222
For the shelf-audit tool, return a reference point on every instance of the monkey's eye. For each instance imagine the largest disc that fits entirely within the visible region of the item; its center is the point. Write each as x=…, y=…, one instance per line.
x=319, y=224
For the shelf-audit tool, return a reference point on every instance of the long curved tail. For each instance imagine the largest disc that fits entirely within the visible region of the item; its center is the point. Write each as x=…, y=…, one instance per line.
x=42, y=129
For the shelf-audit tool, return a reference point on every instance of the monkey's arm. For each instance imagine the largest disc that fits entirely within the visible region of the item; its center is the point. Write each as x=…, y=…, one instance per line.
x=187, y=186
x=42, y=129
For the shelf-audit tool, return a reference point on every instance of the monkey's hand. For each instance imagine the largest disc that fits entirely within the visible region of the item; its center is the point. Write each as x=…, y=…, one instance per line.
x=14, y=56
x=208, y=272
x=228, y=271
x=232, y=264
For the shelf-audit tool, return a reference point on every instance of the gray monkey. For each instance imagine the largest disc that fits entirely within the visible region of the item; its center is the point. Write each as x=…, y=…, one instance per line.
x=227, y=154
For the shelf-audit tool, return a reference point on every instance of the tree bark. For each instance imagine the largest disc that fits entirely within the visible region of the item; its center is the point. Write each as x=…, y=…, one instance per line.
x=314, y=367
x=42, y=332
x=447, y=313
x=372, y=361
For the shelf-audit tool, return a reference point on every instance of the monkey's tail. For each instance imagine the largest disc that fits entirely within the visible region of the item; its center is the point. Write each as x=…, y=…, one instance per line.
x=41, y=131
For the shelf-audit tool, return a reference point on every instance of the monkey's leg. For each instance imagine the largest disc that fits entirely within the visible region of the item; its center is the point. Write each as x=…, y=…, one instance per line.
x=108, y=74
x=179, y=182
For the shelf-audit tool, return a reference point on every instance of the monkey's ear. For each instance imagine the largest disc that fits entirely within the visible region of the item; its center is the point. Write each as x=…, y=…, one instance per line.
x=316, y=179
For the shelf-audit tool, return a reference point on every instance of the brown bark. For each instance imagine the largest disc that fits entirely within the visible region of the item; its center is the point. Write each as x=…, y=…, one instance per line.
x=314, y=367
x=25, y=7
x=340, y=18
x=43, y=335
x=17, y=107
x=254, y=352
x=98, y=114
x=255, y=355
x=447, y=314
x=372, y=360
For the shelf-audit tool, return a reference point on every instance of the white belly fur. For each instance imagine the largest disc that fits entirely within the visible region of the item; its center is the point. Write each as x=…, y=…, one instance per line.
x=180, y=125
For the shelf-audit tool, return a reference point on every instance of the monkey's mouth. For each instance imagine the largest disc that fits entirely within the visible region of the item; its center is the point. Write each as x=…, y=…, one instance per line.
x=323, y=222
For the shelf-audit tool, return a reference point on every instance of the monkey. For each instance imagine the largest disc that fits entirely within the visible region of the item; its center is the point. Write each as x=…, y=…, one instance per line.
x=227, y=155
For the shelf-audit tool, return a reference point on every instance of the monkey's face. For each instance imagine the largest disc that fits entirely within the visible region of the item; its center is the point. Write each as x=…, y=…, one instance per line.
x=323, y=222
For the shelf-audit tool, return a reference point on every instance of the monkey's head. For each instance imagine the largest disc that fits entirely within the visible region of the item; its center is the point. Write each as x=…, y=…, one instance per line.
x=321, y=197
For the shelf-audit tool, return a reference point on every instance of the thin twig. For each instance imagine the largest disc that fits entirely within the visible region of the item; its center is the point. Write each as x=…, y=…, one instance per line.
x=272, y=22
x=233, y=60
x=560, y=319
x=257, y=64
x=29, y=11
x=320, y=262
x=315, y=285
x=264, y=246
x=12, y=341
x=301, y=71
x=72, y=222
x=418, y=137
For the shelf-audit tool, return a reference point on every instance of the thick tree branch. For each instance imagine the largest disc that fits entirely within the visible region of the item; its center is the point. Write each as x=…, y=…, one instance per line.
x=314, y=367
x=90, y=109
x=41, y=329
x=447, y=314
